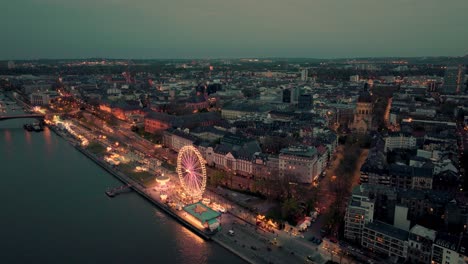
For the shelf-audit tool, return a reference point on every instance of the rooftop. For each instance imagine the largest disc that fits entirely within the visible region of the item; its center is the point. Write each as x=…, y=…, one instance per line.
x=201, y=212
x=404, y=171
x=423, y=232
x=388, y=230
x=302, y=151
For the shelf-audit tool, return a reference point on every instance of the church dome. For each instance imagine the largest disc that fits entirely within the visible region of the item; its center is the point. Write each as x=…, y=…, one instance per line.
x=364, y=97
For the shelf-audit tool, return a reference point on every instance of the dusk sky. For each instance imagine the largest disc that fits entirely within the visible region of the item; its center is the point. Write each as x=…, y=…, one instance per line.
x=150, y=29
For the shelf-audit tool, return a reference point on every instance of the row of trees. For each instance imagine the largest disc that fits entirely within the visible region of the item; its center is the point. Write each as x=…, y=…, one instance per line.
x=341, y=183
x=295, y=200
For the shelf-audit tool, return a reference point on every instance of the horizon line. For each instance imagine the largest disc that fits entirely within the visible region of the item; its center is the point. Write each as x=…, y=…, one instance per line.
x=245, y=57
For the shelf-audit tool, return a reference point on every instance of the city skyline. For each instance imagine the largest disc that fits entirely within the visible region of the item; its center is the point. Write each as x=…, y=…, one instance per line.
x=213, y=29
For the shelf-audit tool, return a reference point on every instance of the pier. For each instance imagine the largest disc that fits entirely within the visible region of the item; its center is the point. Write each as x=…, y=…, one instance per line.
x=118, y=190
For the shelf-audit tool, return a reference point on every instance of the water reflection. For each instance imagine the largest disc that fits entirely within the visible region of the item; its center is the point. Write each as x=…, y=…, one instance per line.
x=47, y=139
x=8, y=136
x=160, y=216
x=27, y=135
x=190, y=246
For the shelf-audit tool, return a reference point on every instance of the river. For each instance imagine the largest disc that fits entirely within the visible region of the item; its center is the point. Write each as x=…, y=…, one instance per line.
x=54, y=210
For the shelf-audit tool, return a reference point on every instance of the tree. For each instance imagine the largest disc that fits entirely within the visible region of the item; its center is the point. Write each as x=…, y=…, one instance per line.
x=290, y=210
x=217, y=178
x=311, y=200
x=333, y=216
x=259, y=185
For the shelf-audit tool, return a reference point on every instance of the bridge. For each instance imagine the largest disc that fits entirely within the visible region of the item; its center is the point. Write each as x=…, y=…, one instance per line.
x=6, y=117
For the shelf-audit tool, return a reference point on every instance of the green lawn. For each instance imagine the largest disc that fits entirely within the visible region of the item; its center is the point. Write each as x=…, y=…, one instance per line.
x=155, y=138
x=145, y=178
x=96, y=148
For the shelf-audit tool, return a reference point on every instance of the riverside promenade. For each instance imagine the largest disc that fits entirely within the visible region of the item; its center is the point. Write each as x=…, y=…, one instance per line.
x=133, y=184
x=143, y=192
x=249, y=243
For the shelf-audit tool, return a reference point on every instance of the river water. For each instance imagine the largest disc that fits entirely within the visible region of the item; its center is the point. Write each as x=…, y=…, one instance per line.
x=54, y=210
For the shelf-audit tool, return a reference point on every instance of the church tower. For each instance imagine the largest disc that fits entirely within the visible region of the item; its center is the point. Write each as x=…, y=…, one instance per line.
x=362, y=122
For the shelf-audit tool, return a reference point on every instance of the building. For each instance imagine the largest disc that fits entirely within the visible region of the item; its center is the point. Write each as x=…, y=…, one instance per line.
x=362, y=121
x=300, y=163
x=304, y=75
x=207, y=217
x=450, y=249
x=287, y=94
x=209, y=134
x=360, y=211
x=122, y=109
x=234, y=153
x=175, y=139
x=265, y=166
x=420, y=244
x=424, y=203
x=453, y=79
x=408, y=177
x=305, y=101
x=241, y=109
x=157, y=122
x=42, y=98
x=385, y=239
x=295, y=93
x=354, y=78
x=11, y=65
x=344, y=114
x=399, y=141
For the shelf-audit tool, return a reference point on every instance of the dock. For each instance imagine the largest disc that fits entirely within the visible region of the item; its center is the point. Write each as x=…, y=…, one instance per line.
x=118, y=190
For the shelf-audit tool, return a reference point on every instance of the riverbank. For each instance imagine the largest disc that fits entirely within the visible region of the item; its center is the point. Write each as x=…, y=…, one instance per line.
x=68, y=215
x=141, y=190
x=233, y=251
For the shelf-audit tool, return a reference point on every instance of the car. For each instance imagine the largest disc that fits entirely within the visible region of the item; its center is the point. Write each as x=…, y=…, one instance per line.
x=333, y=240
x=312, y=239
x=231, y=232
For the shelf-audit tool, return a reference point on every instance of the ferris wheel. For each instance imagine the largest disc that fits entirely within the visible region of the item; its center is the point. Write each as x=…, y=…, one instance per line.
x=191, y=170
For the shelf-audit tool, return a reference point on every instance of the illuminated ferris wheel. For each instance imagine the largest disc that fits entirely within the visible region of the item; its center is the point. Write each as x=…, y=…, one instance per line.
x=191, y=170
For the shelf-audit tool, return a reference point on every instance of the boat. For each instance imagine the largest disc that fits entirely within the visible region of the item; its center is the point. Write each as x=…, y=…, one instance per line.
x=28, y=127
x=110, y=193
x=37, y=127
